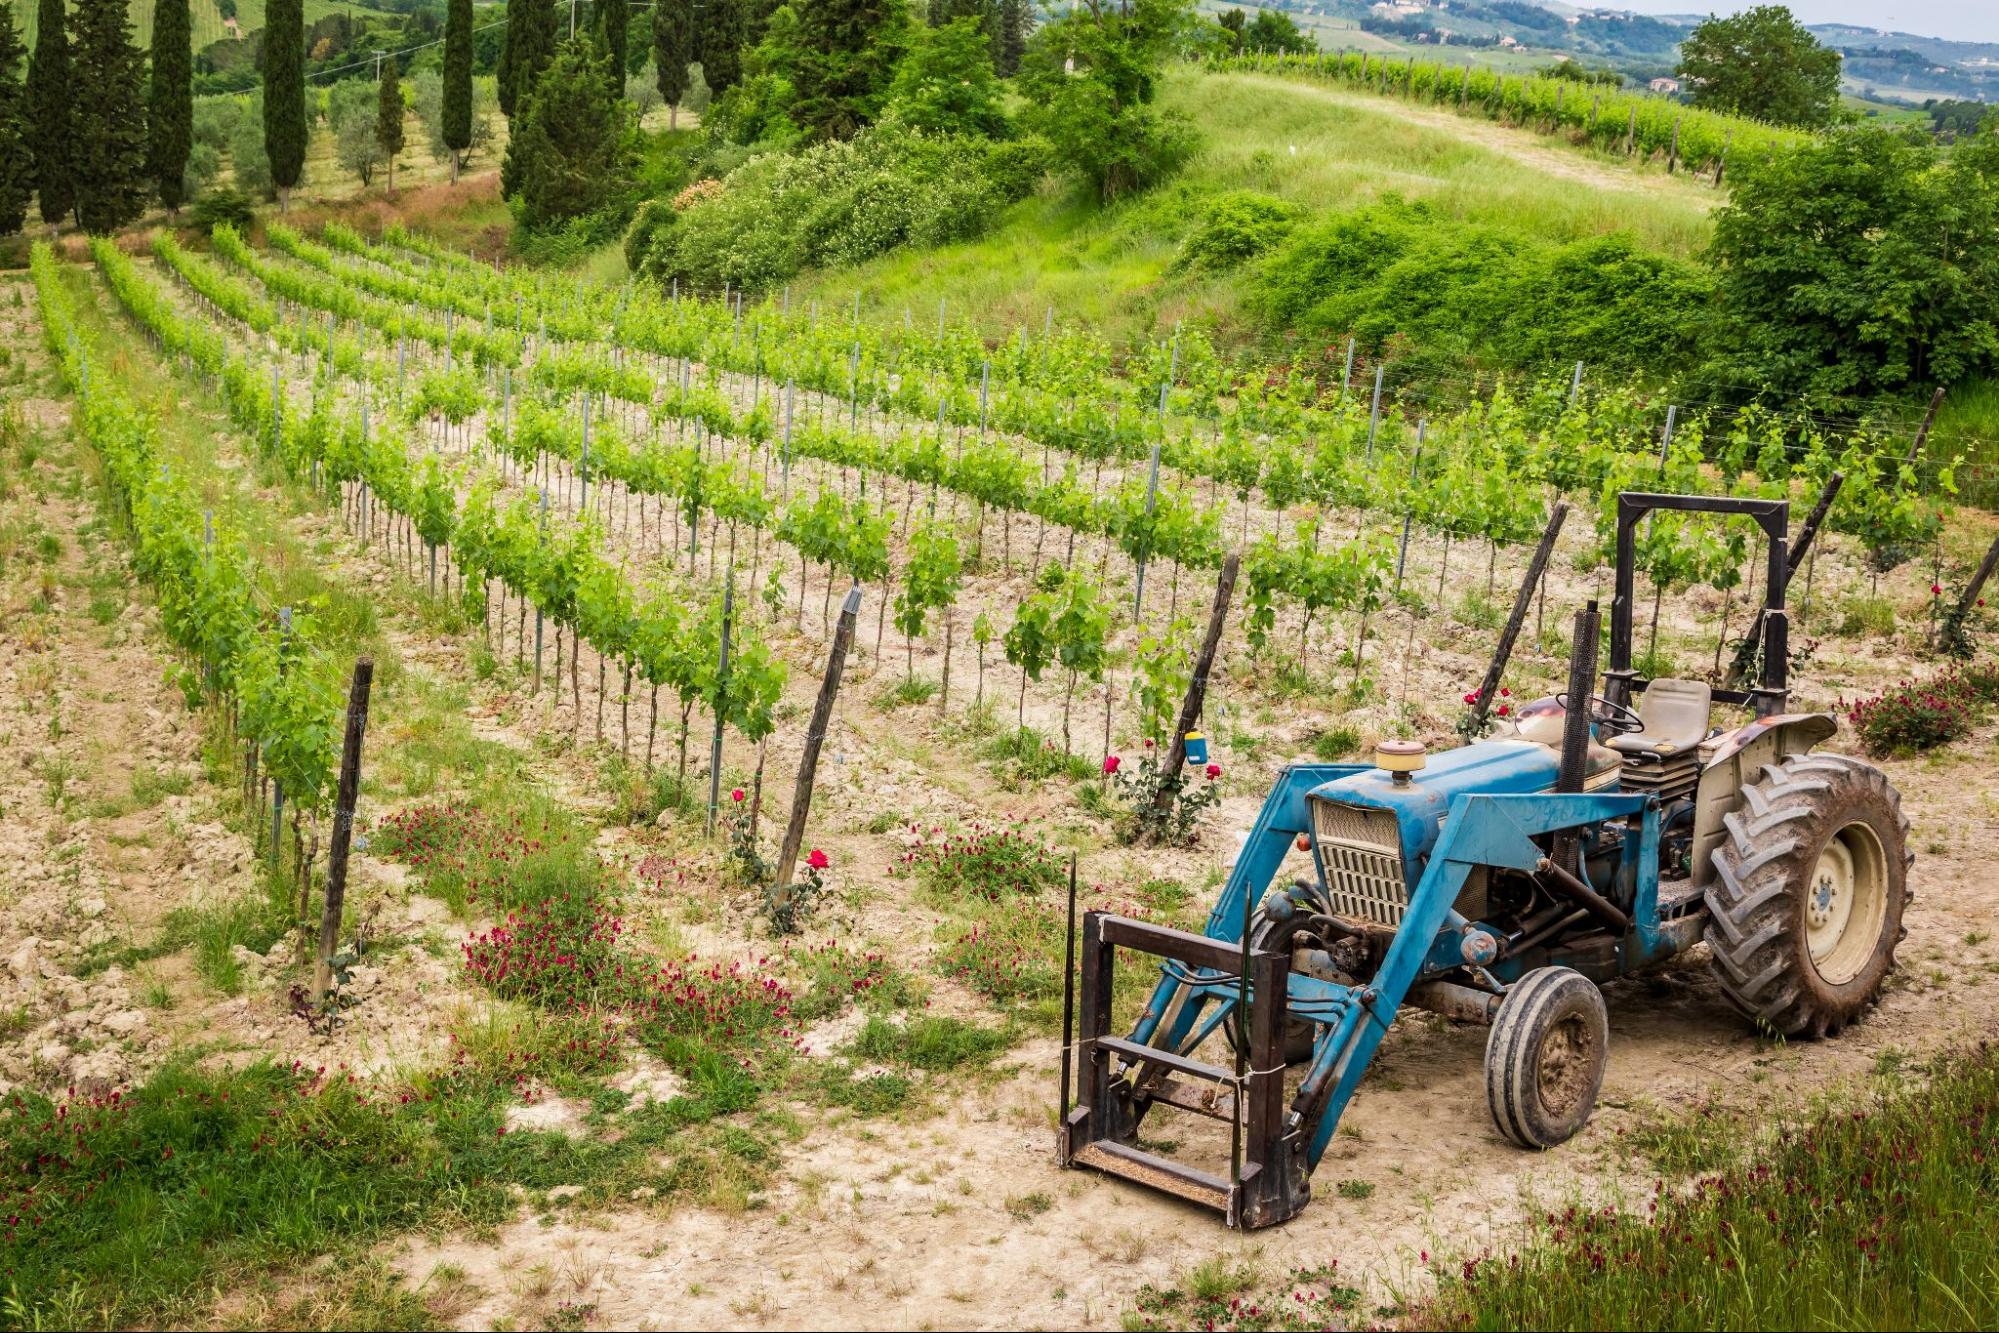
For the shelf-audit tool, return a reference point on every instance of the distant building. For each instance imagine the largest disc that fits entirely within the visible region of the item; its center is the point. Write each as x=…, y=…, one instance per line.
x=1665, y=85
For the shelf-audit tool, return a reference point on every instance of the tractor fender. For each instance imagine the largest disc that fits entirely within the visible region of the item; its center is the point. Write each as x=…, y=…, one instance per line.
x=1733, y=758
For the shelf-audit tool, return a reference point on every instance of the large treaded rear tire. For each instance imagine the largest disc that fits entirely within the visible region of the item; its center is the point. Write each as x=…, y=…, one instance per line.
x=1808, y=824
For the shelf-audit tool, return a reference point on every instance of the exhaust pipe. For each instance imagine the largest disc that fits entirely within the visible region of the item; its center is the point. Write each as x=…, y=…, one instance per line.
x=1582, y=680
x=1574, y=769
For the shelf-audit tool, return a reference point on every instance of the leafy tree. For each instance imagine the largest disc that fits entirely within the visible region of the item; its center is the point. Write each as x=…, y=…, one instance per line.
x=17, y=177
x=528, y=48
x=946, y=83
x=111, y=180
x=1273, y=31
x=848, y=51
x=251, y=164
x=1091, y=77
x=1763, y=63
x=672, y=52
x=1951, y=117
x=284, y=94
x=389, y=117
x=720, y=29
x=1012, y=26
x=614, y=20
x=569, y=155
x=170, y=107
x=458, y=81
x=1862, y=263
x=51, y=119
x=353, y=107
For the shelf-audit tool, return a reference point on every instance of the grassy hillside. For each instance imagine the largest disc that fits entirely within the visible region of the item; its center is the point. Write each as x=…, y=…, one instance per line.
x=1324, y=150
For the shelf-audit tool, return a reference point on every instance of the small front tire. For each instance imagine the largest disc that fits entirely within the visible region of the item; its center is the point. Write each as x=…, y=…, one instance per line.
x=1545, y=1058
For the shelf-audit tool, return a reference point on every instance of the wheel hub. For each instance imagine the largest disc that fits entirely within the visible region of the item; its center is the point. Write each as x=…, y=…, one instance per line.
x=1845, y=900
x=1567, y=1064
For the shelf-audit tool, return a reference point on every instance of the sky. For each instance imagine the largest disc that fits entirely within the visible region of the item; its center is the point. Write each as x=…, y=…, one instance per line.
x=1962, y=20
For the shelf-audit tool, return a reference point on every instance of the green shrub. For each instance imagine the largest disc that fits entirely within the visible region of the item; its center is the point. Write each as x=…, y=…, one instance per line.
x=1016, y=166
x=838, y=204
x=643, y=237
x=1238, y=225
x=219, y=206
x=1397, y=270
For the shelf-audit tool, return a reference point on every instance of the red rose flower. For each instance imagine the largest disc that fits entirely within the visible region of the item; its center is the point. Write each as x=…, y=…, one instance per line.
x=1214, y=771
x=737, y=796
x=817, y=859
x=1111, y=763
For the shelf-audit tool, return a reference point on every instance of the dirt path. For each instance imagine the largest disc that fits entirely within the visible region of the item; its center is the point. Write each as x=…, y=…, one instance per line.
x=108, y=826
x=1550, y=156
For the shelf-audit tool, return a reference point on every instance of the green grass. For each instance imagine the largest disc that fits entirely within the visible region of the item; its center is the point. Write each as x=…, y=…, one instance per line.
x=139, y=1210
x=1881, y=1214
x=930, y=1042
x=1968, y=424
x=1114, y=268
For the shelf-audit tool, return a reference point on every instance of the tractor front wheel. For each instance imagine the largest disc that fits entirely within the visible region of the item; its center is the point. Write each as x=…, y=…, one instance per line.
x=1544, y=1059
x=1805, y=909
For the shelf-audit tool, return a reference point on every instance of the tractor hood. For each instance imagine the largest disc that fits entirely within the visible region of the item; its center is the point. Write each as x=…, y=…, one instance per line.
x=1419, y=805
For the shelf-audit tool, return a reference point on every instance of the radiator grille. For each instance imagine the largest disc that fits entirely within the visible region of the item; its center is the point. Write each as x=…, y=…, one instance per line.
x=1361, y=852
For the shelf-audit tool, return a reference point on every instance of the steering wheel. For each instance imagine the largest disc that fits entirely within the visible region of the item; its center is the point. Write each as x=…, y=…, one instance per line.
x=1612, y=717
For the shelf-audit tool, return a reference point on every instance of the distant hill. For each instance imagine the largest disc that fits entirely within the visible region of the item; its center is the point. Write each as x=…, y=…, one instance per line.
x=1894, y=65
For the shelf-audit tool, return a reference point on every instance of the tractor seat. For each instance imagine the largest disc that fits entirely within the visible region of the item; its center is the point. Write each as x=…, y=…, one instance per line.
x=1675, y=713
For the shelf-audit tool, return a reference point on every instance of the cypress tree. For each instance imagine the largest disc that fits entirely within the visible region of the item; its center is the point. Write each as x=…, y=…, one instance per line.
x=850, y=49
x=529, y=46
x=614, y=18
x=284, y=94
x=457, y=82
x=170, y=105
x=17, y=176
x=567, y=157
x=111, y=179
x=1015, y=26
x=51, y=122
x=673, y=52
x=389, y=117
x=503, y=69
x=718, y=39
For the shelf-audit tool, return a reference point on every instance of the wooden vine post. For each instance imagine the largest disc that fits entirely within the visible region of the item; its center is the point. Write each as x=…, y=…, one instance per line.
x=1929, y=419
x=343, y=826
x=1537, y=568
x=1954, y=638
x=1197, y=684
x=815, y=737
x=721, y=704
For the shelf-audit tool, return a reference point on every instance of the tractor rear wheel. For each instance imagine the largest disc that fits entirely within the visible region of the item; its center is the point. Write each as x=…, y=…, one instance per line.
x=1805, y=909
x=1544, y=1059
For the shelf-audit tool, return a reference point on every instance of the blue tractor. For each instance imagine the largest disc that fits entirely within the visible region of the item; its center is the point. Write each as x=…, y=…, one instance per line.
x=1501, y=882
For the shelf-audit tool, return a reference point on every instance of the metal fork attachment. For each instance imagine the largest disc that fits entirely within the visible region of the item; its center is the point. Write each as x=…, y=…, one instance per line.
x=1120, y=1079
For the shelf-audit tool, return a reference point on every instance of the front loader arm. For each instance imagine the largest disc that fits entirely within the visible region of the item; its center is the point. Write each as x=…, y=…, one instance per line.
x=1284, y=816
